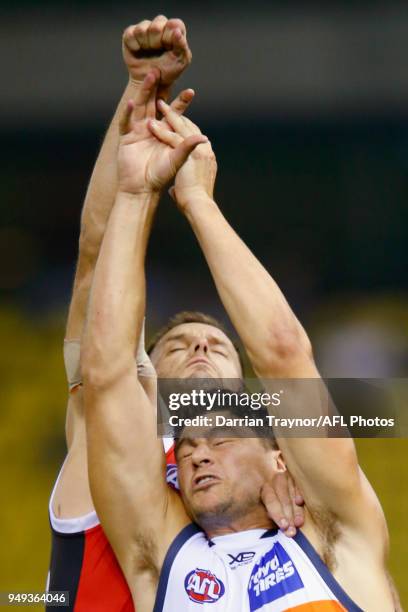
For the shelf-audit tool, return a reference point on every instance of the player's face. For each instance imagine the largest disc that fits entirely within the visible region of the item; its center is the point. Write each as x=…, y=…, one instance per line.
x=221, y=479
x=196, y=350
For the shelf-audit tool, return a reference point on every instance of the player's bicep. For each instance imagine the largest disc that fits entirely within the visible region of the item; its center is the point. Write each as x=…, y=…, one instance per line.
x=126, y=461
x=325, y=467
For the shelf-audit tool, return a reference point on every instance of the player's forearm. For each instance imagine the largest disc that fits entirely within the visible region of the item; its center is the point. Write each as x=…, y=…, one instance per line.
x=103, y=185
x=117, y=299
x=257, y=308
x=98, y=204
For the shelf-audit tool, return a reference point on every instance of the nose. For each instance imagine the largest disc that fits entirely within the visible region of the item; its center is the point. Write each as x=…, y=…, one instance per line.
x=201, y=455
x=201, y=346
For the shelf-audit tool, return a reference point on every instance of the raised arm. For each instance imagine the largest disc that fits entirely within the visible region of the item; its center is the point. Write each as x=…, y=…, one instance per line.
x=139, y=513
x=277, y=345
x=159, y=44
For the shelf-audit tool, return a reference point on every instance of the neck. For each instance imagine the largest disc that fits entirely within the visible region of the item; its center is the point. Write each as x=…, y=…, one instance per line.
x=222, y=524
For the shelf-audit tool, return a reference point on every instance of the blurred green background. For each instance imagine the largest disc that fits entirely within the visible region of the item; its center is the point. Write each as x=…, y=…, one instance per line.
x=307, y=111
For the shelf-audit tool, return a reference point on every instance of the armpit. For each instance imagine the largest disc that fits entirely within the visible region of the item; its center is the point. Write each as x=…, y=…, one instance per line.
x=146, y=558
x=328, y=529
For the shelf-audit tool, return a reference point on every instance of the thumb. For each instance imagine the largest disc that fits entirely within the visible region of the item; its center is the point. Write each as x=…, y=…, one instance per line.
x=182, y=151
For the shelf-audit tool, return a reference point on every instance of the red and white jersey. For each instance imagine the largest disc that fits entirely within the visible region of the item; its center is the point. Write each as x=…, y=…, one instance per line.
x=83, y=562
x=248, y=571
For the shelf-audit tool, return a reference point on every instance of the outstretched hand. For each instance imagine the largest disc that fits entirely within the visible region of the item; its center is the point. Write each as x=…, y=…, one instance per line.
x=197, y=176
x=160, y=44
x=145, y=164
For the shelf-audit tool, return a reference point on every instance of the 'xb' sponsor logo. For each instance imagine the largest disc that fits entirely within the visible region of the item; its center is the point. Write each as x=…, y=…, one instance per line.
x=242, y=558
x=202, y=586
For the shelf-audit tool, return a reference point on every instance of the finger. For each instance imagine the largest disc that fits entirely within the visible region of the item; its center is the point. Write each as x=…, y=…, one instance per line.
x=180, y=46
x=159, y=129
x=286, y=502
x=178, y=123
x=155, y=32
x=125, y=120
x=298, y=496
x=183, y=101
x=277, y=500
x=140, y=33
x=145, y=94
x=297, y=512
x=299, y=518
x=275, y=511
x=171, y=25
x=129, y=39
x=180, y=154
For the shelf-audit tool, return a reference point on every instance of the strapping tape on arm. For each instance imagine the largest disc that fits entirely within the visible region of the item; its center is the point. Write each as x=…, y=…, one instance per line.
x=72, y=360
x=144, y=365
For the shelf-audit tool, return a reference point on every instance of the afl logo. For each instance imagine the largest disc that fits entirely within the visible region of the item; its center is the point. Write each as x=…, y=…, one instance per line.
x=172, y=475
x=203, y=587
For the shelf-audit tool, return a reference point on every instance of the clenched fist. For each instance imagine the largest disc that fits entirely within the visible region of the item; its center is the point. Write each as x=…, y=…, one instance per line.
x=159, y=44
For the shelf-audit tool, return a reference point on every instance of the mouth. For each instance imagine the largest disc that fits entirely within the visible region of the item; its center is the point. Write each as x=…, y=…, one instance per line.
x=201, y=365
x=204, y=481
x=199, y=360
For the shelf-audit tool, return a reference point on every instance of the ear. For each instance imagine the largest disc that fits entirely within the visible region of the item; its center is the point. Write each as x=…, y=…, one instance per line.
x=274, y=462
x=279, y=462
